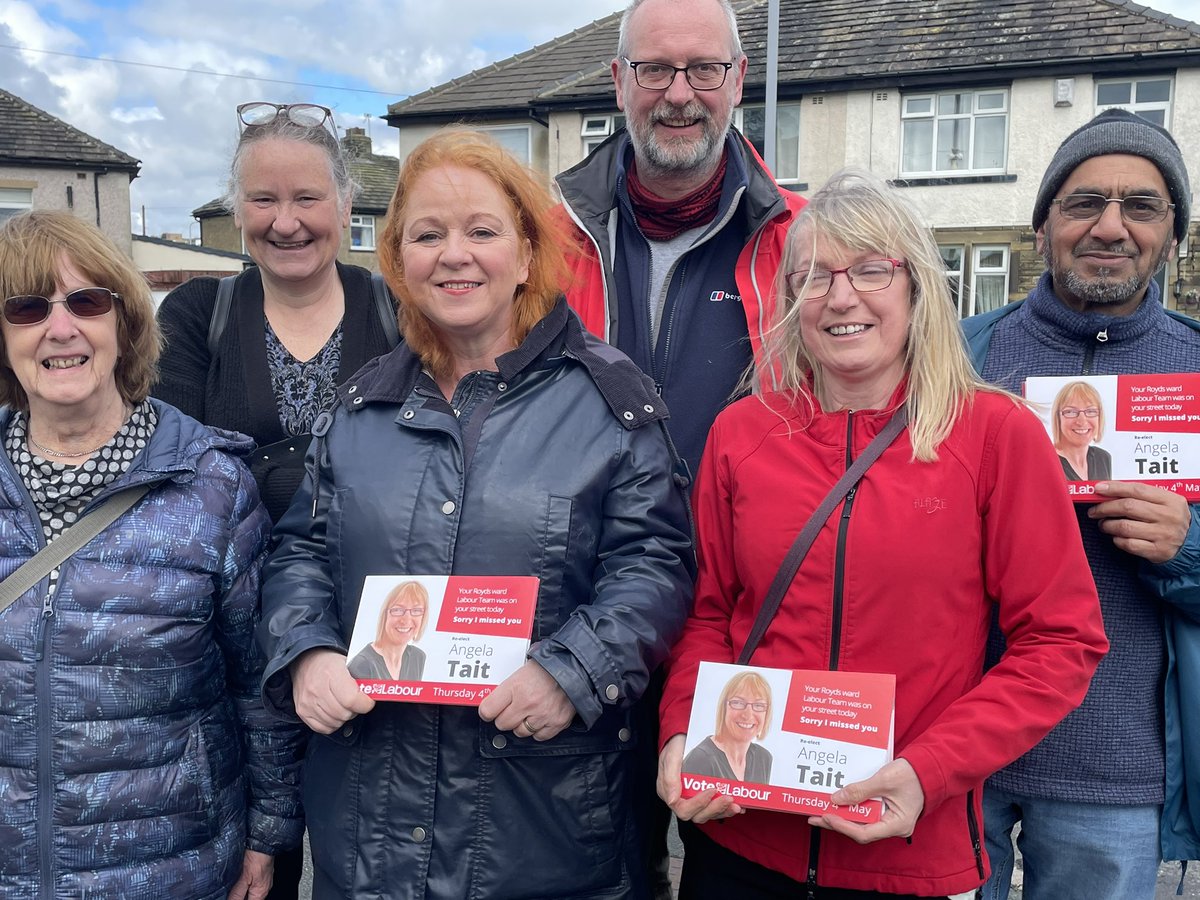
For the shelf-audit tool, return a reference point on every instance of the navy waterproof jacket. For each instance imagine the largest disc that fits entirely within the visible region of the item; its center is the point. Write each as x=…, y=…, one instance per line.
x=136, y=760
x=569, y=477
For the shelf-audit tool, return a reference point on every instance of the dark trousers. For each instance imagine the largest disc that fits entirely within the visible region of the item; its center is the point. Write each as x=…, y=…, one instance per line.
x=710, y=872
x=289, y=866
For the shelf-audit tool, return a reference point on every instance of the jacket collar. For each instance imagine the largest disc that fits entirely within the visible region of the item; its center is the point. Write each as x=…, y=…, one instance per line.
x=1050, y=313
x=591, y=186
x=628, y=392
x=175, y=447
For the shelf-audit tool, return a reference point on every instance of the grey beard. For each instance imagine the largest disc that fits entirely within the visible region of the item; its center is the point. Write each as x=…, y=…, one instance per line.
x=677, y=157
x=1103, y=292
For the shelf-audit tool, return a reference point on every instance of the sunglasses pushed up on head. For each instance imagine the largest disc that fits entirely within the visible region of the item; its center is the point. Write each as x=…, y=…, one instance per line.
x=262, y=112
x=85, y=303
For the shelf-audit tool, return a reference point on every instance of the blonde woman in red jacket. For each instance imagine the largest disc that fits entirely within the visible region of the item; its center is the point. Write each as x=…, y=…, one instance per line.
x=963, y=517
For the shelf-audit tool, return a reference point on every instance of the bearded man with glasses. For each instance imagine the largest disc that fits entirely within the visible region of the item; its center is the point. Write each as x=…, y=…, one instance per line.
x=1111, y=790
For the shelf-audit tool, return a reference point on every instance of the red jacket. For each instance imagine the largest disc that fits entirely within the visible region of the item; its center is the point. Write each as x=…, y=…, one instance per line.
x=930, y=551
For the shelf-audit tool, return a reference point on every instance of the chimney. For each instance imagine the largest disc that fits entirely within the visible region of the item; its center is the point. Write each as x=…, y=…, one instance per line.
x=357, y=142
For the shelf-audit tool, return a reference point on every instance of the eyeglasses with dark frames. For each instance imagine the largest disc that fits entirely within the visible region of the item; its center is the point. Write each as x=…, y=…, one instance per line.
x=759, y=706
x=1070, y=412
x=262, y=112
x=1141, y=208
x=85, y=303
x=865, y=277
x=655, y=76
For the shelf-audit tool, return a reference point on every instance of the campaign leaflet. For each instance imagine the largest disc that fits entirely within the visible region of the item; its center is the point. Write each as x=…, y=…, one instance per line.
x=440, y=638
x=803, y=734
x=1125, y=427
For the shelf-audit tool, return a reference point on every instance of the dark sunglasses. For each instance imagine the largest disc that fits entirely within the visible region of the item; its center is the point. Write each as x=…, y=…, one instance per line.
x=85, y=303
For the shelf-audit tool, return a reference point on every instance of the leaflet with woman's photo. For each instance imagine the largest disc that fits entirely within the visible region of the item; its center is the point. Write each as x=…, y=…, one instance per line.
x=440, y=638
x=1124, y=427
x=786, y=739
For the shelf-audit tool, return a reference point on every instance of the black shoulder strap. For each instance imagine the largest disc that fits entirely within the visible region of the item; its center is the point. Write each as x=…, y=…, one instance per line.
x=386, y=308
x=220, y=313
x=804, y=540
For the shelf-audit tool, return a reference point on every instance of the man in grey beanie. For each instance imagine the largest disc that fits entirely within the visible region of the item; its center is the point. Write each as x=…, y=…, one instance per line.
x=1113, y=789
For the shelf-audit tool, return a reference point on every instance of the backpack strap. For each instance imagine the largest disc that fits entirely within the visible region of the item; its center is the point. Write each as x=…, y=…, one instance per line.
x=386, y=307
x=220, y=313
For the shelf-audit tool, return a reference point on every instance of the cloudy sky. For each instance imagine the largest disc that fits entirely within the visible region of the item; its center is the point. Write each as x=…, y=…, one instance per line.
x=175, y=111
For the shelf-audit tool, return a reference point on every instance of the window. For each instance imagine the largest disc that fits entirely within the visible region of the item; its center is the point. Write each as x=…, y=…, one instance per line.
x=989, y=279
x=1150, y=98
x=952, y=259
x=14, y=200
x=513, y=138
x=988, y=276
x=954, y=133
x=362, y=232
x=752, y=122
x=597, y=129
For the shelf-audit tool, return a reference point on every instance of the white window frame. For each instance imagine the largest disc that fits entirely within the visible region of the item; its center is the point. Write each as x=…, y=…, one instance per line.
x=524, y=156
x=978, y=270
x=13, y=201
x=1141, y=107
x=932, y=115
x=788, y=171
x=956, y=293
x=366, y=224
x=599, y=127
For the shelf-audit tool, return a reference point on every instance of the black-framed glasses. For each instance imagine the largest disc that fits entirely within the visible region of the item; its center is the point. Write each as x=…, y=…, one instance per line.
x=1070, y=412
x=655, y=76
x=865, y=277
x=397, y=611
x=85, y=303
x=262, y=112
x=1134, y=208
x=759, y=706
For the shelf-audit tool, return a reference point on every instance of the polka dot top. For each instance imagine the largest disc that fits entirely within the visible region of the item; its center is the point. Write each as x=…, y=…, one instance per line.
x=61, y=491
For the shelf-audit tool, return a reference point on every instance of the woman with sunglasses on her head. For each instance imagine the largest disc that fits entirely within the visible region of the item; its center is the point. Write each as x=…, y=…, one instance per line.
x=300, y=322
x=136, y=760
x=947, y=527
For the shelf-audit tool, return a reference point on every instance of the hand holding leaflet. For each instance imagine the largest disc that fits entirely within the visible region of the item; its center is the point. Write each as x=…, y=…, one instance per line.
x=1143, y=520
x=326, y=694
x=903, y=799
x=709, y=804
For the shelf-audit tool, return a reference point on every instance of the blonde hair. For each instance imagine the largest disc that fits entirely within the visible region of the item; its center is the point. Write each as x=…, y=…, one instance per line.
x=858, y=211
x=1090, y=396
x=403, y=589
x=32, y=247
x=531, y=206
x=751, y=682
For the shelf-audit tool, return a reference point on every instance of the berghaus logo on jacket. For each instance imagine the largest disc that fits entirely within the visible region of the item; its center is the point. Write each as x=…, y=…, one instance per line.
x=718, y=296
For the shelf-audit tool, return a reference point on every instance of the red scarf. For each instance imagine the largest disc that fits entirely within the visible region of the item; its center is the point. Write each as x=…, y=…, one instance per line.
x=662, y=220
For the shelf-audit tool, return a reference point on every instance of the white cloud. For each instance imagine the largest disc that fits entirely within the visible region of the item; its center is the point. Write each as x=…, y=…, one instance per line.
x=182, y=126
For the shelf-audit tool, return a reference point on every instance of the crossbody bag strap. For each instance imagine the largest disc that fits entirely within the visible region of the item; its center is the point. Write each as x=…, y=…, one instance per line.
x=220, y=313
x=808, y=534
x=46, y=560
x=386, y=307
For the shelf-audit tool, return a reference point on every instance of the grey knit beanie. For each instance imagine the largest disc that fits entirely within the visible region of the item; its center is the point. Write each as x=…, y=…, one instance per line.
x=1118, y=131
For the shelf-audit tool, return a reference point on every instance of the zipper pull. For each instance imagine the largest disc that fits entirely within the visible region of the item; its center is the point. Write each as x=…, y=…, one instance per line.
x=1102, y=335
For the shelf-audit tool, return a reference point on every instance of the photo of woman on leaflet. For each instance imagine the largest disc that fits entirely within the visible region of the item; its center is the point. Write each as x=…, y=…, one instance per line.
x=743, y=717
